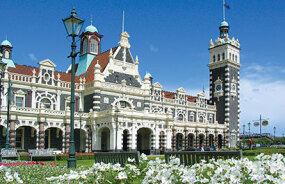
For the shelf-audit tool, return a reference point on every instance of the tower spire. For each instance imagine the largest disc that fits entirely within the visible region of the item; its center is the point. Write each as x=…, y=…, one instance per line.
x=123, y=22
x=91, y=20
x=224, y=11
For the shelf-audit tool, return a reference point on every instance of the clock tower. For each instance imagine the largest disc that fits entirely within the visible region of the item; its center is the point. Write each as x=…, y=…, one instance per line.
x=224, y=82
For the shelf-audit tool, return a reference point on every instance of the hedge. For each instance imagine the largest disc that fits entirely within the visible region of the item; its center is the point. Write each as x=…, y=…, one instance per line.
x=266, y=151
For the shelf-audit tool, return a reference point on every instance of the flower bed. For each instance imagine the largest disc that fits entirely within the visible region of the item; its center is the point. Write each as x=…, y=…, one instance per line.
x=264, y=169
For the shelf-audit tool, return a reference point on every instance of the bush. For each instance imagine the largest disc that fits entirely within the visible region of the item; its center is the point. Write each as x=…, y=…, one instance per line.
x=78, y=156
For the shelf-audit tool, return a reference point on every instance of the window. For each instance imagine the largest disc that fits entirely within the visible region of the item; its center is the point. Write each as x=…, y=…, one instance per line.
x=106, y=100
x=214, y=58
x=201, y=119
x=7, y=54
x=236, y=58
x=223, y=56
x=139, y=104
x=19, y=101
x=124, y=104
x=219, y=57
x=180, y=117
x=46, y=103
x=191, y=118
x=85, y=46
x=230, y=56
x=94, y=46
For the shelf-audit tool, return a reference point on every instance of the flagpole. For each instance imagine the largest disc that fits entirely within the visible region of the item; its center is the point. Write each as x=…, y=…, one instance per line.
x=224, y=13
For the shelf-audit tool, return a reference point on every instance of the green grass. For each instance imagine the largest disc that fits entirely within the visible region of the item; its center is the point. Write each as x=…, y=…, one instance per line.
x=80, y=163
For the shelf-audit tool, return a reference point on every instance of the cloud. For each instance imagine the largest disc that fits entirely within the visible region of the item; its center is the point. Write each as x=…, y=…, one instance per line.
x=262, y=93
x=33, y=57
x=152, y=48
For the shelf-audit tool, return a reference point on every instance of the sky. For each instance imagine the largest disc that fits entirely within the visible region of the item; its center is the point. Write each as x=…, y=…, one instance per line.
x=171, y=40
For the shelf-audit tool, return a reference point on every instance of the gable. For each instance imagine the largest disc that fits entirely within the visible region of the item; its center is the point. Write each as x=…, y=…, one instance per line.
x=47, y=63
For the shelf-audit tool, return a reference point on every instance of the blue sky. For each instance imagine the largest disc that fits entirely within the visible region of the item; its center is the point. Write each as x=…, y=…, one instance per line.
x=171, y=39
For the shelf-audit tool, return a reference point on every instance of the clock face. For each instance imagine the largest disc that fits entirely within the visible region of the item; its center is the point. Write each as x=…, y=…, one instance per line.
x=233, y=87
x=218, y=87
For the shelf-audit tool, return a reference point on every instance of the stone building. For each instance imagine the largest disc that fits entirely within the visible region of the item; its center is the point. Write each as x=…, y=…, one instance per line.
x=109, y=89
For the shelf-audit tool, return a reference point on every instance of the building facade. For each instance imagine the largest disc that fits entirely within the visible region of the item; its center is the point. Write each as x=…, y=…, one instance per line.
x=115, y=106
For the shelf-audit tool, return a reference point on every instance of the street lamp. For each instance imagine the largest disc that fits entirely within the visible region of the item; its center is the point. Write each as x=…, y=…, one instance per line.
x=117, y=121
x=260, y=124
x=8, y=113
x=243, y=126
x=274, y=128
x=2, y=70
x=73, y=27
x=249, y=129
x=80, y=111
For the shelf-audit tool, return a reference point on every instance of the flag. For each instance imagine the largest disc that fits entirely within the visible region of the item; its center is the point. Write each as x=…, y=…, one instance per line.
x=226, y=5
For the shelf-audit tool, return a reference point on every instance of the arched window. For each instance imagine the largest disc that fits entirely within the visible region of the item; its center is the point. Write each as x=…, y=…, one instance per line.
x=7, y=54
x=236, y=58
x=223, y=56
x=94, y=46
x=219, y=57
x=124, y=104
x=214, y=58
x=230, y=56
x=180, y=117
x=201, y=119
x=85, y=46
x=46, y=103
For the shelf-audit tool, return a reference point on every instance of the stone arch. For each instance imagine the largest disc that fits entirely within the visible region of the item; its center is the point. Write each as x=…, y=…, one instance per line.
x=191, y=140
x=104, y=138
x=26, y=138
x=201, y=139
x=144, y=140
x=179, y=141
x=53, y=138
x=211, y=140
x=2, y=136
x=126, y=140
x=220, y=141
x=80, y=140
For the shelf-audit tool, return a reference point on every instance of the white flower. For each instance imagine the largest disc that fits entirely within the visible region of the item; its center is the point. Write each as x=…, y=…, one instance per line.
x=122, y=175
x=143, y=156
x=131, y=160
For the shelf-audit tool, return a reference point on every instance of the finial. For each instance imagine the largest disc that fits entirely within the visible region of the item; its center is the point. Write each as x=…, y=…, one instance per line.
x=111, y=52
x=123, y=23
x=6, y=37
x=91, y=20
x=137, y=58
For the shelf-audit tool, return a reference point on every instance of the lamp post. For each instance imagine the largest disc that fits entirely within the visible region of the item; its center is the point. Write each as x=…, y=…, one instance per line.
x=80, y=150
x=260, y=124
x=274, y=128
x=73, y=27
x=249, y=129
x=8, y=113
x=2, y=70
x=117, y=121
x=243, y=126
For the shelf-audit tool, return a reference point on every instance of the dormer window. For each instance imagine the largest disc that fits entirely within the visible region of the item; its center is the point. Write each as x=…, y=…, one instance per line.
x=46, y=103
x=85, y=46
x=180, y=117
x=94, y=46
x=124, y=104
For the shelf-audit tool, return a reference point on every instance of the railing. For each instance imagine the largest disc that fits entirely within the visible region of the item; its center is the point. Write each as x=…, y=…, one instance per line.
x=20, y=77
x=116, y=157
x=193, y=157
x=29, y=79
